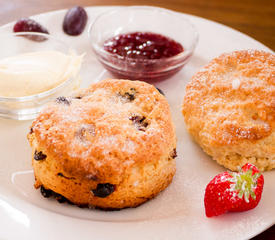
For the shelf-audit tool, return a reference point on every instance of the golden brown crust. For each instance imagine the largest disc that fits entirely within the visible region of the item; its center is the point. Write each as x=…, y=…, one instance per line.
x=99, y=136
x=139, y=184
x=230, y=105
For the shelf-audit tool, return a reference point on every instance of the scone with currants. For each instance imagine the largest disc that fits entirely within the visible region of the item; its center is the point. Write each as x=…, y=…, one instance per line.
x=111, y=146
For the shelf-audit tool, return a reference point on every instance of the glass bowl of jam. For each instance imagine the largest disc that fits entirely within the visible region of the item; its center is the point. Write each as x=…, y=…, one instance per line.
x=143, y=43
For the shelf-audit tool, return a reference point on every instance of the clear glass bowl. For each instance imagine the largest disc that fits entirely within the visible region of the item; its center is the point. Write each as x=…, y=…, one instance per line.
x=24, y=108
x=142, y=19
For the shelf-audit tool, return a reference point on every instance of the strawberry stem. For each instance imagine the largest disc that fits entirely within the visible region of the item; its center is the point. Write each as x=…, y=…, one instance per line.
x=244, y=183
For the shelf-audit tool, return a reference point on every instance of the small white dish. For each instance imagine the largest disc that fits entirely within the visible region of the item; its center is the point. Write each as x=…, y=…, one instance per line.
x=27, y=107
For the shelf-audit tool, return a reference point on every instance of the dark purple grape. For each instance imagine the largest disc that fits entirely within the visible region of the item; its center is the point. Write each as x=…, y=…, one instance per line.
x=75, y=21
x=29, y=25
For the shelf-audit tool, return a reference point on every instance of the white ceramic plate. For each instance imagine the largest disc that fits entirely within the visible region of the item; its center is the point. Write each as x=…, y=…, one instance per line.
x=177, y=213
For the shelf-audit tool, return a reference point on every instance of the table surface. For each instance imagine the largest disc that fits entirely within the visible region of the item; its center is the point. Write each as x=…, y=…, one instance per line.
x=252, y=17
x=256, y=18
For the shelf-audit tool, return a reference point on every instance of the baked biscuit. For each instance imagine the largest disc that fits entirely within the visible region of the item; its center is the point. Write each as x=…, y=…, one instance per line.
x=111, y=146
x=229, y=109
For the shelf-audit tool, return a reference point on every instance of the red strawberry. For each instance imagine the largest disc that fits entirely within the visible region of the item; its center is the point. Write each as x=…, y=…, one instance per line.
x=234, y=192
x=29, y=25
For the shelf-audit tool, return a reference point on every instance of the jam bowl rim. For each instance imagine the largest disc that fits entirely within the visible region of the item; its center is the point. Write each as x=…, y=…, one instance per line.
x=99, y=50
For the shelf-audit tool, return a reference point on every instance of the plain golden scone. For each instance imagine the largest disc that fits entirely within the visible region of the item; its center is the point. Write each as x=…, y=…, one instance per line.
x=111, y=146
x=229, y=109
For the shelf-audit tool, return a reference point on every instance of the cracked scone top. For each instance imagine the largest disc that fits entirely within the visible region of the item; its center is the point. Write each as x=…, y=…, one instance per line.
x=229, y=108
x=110, y=146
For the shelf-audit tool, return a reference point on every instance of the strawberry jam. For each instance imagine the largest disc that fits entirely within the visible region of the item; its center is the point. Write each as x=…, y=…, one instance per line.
x=143, y=56
x=143, y=45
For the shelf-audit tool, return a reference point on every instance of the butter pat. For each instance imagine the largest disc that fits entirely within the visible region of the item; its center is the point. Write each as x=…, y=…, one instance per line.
x=36, y=72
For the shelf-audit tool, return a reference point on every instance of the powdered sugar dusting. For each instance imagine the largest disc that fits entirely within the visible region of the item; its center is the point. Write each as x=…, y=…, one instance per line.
x=129, y=146
x=106, y=143
x=236, y=83
x=136, y=183
x=107, y=140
